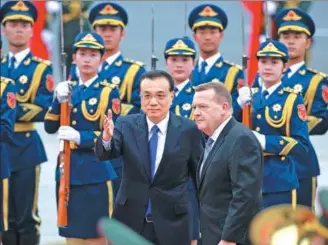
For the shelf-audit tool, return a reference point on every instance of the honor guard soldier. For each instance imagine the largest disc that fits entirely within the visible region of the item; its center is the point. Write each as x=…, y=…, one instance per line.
x=295, y=29
x=7, y=122
x=208, y=23
x=109, y=21
x=91, y=195
x=180, y=55
x=34, y=87
x=280, y=123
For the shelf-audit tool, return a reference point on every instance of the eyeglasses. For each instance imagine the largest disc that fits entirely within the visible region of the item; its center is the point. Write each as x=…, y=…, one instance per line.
x=158, y=97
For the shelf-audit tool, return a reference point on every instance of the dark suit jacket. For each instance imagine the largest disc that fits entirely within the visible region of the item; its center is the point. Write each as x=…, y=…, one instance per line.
x=168, y=191
x=230, y=185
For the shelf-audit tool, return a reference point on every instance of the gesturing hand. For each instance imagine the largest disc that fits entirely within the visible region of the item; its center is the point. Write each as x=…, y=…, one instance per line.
x=108, y=126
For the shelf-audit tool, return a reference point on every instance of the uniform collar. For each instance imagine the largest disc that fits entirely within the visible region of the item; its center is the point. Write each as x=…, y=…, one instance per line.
x=89, y=82
x=294, y=68
x=20, y=56
x=210, y=61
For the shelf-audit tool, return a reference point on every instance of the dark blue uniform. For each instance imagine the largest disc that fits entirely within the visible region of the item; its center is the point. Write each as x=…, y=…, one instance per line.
x=7, y=121
x=90, y=179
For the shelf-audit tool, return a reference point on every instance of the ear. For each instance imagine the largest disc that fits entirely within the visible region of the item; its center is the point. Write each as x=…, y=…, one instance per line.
x=221, y=35
x=123, y=33
x=308, y=42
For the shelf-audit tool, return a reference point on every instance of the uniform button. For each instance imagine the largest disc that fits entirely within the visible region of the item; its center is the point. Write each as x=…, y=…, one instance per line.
x=25, y=109
x=275, y=117
x=73, y=122
x=75, y=110
x=91, y=111
x=27, y=135
x=258, y=116
x=283, y=158
x=258, y=129
x=21, y=91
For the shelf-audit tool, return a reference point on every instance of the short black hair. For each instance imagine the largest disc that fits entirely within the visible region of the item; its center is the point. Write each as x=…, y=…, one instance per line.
x=158, y=74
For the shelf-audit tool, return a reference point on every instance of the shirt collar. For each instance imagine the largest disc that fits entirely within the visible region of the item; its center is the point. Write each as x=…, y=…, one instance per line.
x=218, y=131
x=19, y=56
x=89, y=82
x=210, y=61
x=113, y=57
x=162, y=125
x=294, y=68
x=182, y=85
x=272, y=88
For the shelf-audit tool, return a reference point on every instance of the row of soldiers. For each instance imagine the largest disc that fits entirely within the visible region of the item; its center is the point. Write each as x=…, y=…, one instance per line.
x=294, y=107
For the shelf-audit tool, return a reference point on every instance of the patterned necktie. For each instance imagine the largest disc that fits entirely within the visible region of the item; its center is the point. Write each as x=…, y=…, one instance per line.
x=203, y=71
x=153, y=142
x=207, y=150
x=12, y=69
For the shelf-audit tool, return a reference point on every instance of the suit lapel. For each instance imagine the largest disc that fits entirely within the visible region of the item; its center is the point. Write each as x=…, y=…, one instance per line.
x=214, y=149
x=171, y=141
x=141, y=134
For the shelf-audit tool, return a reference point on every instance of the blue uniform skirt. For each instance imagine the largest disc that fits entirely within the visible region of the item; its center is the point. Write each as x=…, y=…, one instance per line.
x=4, y=205
x=87, y=204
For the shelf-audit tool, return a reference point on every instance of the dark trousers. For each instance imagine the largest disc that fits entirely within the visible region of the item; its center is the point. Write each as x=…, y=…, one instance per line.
x=117, y=182
x=24, y=222
x=306, y=192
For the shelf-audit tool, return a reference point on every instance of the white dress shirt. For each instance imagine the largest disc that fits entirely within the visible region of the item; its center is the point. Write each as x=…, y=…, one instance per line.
x=180, y=87
x=294, y=68
x=110, y=60
x=210, y=62
x=162, y=125
x=271, y=89
x=215, y=136
x=20, y=56
x=89, y=82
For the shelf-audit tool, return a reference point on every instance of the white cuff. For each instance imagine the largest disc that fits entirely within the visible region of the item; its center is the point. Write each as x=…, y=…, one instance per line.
x=106, y=144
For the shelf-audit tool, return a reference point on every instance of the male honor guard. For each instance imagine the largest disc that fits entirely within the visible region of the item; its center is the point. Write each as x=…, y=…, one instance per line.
x=208, y=23
x=279, y=122
x=109, y=21
x=295, y=29
x=91, y=194
x=34, y=87
x=180, y=54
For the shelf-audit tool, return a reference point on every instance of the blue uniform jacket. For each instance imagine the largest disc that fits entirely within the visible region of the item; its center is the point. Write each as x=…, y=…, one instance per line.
x=225, y=72
x=87, y=115
x=126, y=75
x=282, y=119
x=7, y=121
x=34, y=87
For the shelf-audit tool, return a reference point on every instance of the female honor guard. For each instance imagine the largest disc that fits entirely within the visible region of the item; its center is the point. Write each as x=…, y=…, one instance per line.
x=90, y=179
x=279, y=121
x=180, y=54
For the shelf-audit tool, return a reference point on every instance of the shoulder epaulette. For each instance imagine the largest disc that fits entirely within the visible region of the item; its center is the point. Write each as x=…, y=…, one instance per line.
x=232, y=64
x=254, y=90
x=317, y=72
x=37, y=59
x=7, y=80
x=139, y=63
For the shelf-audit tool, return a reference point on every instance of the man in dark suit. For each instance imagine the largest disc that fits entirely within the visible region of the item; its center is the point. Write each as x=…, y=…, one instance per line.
x=229, y=176
x=160, y=151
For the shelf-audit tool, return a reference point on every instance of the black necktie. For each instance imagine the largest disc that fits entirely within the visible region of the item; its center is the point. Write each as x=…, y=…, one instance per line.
x=285, y=74
x=265, y=93
x=12, y=69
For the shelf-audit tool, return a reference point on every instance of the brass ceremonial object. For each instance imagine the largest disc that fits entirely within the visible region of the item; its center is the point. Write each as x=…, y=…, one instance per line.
x=282, y=224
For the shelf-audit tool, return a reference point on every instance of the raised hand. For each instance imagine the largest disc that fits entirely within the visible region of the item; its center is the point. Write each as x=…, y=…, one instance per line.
x=108, y=126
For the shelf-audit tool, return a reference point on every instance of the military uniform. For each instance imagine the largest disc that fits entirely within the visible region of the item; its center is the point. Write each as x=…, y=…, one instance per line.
x=281, y=118
x=8, y=117
x=313, y=86
x=181, y=106
x=91, y=195
x=34, y=87
x=221, y=70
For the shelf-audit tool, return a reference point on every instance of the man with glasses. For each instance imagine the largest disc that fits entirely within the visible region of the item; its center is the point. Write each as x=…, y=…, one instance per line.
x=160, y=151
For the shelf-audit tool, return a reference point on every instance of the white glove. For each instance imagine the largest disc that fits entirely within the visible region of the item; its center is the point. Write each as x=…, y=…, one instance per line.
x=62, y=91
x=260, y=138
x=269, y=8
x=245, y=96
x=69, y=133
